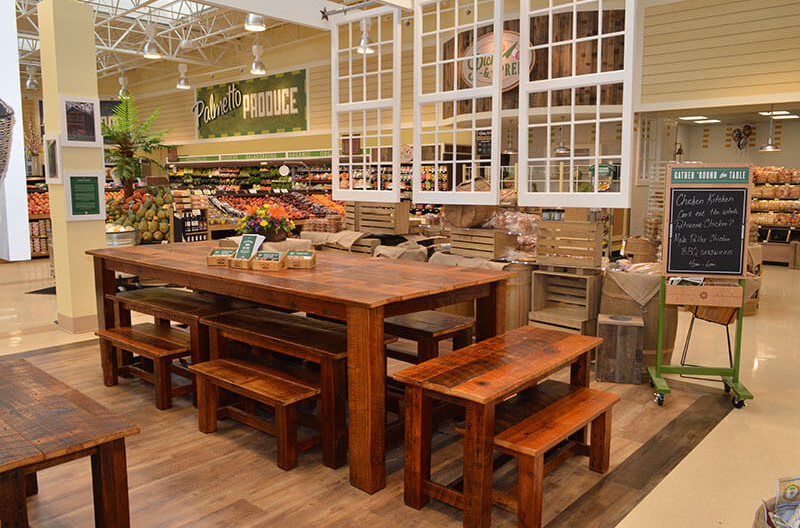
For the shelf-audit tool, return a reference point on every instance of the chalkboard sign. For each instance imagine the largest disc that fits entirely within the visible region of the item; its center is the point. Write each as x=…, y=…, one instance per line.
x=707, y=231
x=483, y=142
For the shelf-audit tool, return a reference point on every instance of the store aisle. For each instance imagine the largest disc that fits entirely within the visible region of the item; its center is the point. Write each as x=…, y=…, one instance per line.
x=722, y=482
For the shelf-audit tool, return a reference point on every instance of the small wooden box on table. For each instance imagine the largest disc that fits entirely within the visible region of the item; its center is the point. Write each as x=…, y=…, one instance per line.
x=480, y=377
x=47, y=423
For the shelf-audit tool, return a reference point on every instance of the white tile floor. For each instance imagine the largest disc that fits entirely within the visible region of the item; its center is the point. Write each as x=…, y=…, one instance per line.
x=720, y=483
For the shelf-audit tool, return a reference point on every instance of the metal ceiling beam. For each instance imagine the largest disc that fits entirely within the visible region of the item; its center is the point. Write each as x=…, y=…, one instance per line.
x=303, y=12
x=402, y=4
x=125, y=13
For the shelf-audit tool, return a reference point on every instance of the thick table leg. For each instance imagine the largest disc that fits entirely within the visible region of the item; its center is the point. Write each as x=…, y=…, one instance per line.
x=31, y=484
x=418, y=446
x=478, y=467
x=333, y=412
x=104, y=283
x=366, y=383
x=13, y=509
x=110, y=485
x=490, y=313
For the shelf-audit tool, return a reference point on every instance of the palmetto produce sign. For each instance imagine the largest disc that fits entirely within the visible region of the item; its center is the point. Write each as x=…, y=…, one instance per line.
x=263, y=105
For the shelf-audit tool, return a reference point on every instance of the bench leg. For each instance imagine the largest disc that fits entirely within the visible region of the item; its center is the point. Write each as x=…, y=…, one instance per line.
x=110, y=485
x=462, y=339
x=478, y=467
x=600, y=446
x=529, y=492
x=286, y=436
x=207, y=402
x=332, y=412
x=418, y=446
x=427, y=349
x=218, y=344
x=163, y=375
x=13, y=507
x=164, y=323
x=108, y=359
x=31, y=484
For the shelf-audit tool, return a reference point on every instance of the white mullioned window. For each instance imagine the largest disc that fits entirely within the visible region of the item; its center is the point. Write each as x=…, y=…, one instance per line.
x=365, y=90
x=576, y=106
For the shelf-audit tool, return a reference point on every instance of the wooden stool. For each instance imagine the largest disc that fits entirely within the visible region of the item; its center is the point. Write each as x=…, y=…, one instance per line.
x=530, y=439
x=619, y=358
x=427, y=329
x=159, y=344
x=273, y=388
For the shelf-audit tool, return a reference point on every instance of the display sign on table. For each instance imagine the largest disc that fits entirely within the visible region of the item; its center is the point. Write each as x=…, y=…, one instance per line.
x=707, y=220
x=262, y=105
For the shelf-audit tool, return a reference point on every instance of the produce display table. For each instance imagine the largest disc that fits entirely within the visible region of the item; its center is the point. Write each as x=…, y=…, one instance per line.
x=354, y=289
x=45, y=423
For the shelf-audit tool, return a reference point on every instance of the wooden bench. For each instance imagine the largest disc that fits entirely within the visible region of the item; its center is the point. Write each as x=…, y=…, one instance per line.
x=274, y=388
x=552, y=427
x=158, y=344
x=317, y=341
x=427, y=328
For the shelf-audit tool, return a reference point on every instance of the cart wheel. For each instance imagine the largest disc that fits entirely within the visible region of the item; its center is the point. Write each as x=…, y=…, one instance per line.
x=659, y=398
x=727, y=387
x=738, y=402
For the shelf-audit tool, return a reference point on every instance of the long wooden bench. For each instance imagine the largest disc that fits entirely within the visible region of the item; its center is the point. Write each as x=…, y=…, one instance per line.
x=535, y=436
x=314, y=340
x=157, y=344
x=428, y=328
x=274, y=388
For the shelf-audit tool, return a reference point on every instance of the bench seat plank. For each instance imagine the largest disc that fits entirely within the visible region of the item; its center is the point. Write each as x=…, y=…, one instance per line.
x=149, y=340
x=427, y=324
x=544, y=430
x=178, y=303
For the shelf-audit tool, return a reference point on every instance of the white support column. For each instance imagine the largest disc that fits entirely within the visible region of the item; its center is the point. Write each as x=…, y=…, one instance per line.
x=14, y=237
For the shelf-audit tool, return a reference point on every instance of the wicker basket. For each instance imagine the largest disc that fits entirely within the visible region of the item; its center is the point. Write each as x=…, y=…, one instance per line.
x=6, y=125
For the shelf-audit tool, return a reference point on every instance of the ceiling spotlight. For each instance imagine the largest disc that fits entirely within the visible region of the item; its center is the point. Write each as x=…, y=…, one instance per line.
x=150, y=50
x=257, y=67
x=123, y=86
x=770, y=145
x=365, y=43
x=183, y=80
x=254, y=22
x=186, y=44
x=31, y=83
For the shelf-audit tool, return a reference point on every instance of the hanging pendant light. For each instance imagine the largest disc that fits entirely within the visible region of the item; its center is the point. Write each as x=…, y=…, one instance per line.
x=561, y=149
x=257, y=67
x=770, y=145
x=123, y=86
x=31, y=83
x=365, y=43
x=150, y=50
x=183, y=80
x=254, y=22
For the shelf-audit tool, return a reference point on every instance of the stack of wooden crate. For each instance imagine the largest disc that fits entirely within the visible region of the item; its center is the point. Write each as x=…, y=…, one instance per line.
x=377, y=218
x=484, y=243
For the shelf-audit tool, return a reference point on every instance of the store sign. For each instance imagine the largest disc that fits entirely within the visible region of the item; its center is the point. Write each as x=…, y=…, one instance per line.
x=705, y=175
x=263, y=105
x=478, y=73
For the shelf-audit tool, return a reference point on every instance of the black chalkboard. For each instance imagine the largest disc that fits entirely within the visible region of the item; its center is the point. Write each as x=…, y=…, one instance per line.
x=707, y=229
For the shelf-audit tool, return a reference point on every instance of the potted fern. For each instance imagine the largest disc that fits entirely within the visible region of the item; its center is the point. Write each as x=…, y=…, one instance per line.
x=127, y=140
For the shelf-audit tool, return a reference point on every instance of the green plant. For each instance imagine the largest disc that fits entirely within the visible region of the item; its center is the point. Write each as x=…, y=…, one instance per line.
x=126, y=138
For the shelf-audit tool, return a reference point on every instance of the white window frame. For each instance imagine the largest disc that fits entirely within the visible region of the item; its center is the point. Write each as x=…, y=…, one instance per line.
x=594, y=199
x=383, y=104
x=453, y=96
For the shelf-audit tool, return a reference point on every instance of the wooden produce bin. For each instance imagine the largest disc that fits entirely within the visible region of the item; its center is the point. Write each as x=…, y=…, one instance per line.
x=483, y=243
x=640, y=249
x=565, y=301
x=365, y=245
x=570, y=244
x=377, y=218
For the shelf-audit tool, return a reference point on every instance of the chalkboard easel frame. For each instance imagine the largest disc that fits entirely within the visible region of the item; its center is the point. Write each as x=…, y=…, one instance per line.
x=729, y=375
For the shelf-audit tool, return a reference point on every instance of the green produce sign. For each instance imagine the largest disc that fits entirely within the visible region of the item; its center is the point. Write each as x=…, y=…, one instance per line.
x=264, y=105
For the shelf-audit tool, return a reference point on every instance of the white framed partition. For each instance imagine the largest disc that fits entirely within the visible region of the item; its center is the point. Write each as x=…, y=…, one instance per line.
x=576, y=116
x=365, y=92
x=457, y=98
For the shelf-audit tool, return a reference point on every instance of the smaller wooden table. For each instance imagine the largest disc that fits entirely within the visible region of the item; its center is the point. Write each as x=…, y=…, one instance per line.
x=478, y=377
x=43, y=423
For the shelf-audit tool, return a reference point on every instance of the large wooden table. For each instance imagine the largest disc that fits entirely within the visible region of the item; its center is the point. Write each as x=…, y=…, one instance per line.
x=44, y=422
x=358, y=290
x=479, y=377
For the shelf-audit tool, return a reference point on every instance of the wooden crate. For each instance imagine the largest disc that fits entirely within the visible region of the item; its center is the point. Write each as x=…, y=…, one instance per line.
x=565, y=299
x=572, y=244
x=619, y=358
x=365, y=245
x=485, y=243
x=588, y=328
x=377, y=218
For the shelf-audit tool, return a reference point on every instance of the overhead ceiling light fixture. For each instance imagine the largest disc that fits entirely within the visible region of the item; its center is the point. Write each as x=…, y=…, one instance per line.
x=561, y=149
x=123, y=86
x=365, y=43
x=707, y=121
x=254, y=22
x=186, y=44
x=774, y=113
x=257, y=67
x=771, y=146
x=183, y=80
x=789, y=116
x=692, y=118
x=150, y=50
x=31, y=83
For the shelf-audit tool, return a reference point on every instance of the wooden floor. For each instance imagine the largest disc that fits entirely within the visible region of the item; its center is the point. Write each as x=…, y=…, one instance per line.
x=179, y=477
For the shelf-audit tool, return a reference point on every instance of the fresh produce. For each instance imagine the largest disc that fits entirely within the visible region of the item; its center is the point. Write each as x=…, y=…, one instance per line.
x=323, y=200
x=38, y=203
x=148, y=210
x=113, y=195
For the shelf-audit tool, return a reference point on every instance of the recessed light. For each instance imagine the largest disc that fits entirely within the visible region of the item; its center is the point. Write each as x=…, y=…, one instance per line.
x=790, y=116
x=706, y=121
x=775, y=113
x=692, y=118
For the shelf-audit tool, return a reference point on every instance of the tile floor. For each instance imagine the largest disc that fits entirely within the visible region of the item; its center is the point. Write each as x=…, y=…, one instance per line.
x=720, y=483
